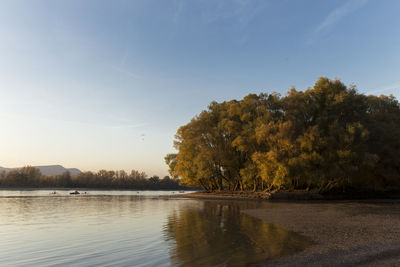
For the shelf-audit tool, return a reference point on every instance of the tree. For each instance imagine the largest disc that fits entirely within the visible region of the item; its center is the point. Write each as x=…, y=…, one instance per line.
x=328, y=137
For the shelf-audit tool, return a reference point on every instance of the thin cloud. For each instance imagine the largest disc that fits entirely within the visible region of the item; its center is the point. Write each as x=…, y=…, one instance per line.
x=335, y=16
x=392, y=87
x=109, y=123
x=242, y=12
x=139, y=125
x=105, y=125
x=178, y=8
x=126, y=72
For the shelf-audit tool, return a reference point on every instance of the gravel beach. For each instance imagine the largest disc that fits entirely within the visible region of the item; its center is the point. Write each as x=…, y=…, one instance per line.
x=345, y=233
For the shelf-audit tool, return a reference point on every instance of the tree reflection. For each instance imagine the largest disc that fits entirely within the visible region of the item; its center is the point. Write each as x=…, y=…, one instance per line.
x=219, y=234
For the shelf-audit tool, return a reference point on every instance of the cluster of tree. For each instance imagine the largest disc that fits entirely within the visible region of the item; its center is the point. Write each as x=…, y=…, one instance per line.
x=329, y=137
x=31, y=177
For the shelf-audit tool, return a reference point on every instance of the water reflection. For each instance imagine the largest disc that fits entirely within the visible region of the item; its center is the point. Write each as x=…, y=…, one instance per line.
x=131, y=230
x=83, y=230
x=215, y=233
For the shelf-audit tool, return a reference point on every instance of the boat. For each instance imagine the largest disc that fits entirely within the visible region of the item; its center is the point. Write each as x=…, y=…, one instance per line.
x=74, y=193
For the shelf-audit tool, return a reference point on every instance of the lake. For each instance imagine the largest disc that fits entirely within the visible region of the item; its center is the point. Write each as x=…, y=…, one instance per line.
x=135, y=228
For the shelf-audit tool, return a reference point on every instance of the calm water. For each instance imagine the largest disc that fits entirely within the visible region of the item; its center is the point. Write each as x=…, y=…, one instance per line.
x=127, y=228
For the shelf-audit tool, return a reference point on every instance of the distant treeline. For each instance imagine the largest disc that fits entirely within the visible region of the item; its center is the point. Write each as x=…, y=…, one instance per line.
x=328, y=138
x=31, y=177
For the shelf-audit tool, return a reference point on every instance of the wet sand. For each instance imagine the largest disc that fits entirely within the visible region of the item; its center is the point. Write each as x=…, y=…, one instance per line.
x=345, y=233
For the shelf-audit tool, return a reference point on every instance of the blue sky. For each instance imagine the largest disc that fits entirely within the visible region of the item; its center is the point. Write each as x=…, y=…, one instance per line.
x=81, y=82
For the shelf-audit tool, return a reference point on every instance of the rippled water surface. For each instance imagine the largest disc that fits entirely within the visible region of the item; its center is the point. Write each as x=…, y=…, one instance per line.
x=130, y=228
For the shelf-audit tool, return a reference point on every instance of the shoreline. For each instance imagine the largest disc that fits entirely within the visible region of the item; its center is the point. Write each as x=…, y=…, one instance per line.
x=221, y=196
x=293, y=196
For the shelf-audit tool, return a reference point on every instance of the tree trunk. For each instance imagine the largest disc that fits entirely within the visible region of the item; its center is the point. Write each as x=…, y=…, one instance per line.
x=204, y=185
x=220, y=186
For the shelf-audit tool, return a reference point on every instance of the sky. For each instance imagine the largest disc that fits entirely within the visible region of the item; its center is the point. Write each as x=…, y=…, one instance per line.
x=106, y=84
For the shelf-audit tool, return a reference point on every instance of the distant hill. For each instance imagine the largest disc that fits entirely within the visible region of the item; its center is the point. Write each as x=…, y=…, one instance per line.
x=50, y=170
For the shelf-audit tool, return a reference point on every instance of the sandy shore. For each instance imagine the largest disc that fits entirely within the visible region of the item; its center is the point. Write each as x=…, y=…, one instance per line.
x=345, y=233
x=224, y=195
x=249, y=195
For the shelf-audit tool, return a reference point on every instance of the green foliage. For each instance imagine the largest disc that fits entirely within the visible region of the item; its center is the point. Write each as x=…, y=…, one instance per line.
x=328, y=137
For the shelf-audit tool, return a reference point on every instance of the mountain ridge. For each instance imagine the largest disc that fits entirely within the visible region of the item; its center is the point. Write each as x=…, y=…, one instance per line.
x=49, y=169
